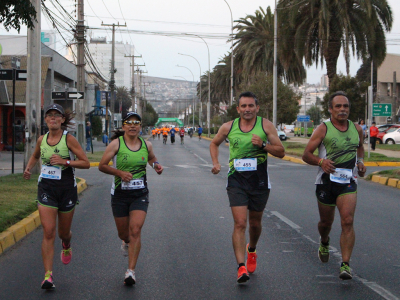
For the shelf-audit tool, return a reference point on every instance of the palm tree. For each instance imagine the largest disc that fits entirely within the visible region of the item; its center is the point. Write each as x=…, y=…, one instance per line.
x=320, y=29
x=254, y=48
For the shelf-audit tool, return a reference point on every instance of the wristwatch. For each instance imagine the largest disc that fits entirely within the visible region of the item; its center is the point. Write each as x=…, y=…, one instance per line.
x=264, y=144
x=67, y=163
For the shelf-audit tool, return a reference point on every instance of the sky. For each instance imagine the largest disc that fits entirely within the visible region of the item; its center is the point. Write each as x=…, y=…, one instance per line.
x=211, y=18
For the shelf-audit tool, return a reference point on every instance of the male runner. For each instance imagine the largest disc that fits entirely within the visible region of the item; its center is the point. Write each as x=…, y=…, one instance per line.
x=251, y=138
x=200, y=131
x=182, y=134
x=340, y=158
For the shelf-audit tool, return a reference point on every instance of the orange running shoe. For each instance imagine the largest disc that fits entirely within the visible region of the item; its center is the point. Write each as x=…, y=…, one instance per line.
x=251, y=262
x=242, y=276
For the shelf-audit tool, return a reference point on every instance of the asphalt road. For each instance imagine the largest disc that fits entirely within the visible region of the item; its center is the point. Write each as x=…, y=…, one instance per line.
x=186, y=240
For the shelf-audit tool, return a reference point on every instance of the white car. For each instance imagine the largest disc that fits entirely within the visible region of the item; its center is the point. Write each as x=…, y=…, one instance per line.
x=282, y=135
x=392, y=137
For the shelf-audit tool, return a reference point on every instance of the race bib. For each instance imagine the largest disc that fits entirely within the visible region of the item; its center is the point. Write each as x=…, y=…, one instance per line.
x=341, y=175
x=245, y=164
x=134, y=184
x=51, y=172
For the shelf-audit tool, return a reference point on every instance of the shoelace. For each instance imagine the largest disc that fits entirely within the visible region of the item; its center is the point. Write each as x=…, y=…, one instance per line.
x=48, y=276
x=67, y=251
x=324, y=249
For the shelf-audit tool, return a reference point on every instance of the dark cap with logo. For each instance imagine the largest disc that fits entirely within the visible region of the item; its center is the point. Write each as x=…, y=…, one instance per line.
x=132, y=114
x=56, y=107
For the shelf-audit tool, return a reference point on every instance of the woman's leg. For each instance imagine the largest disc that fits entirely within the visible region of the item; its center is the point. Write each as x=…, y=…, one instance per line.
x=48, y=218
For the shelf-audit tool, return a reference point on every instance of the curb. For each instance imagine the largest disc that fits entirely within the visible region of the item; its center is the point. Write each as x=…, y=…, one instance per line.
x=388, y=181
x=18, y=231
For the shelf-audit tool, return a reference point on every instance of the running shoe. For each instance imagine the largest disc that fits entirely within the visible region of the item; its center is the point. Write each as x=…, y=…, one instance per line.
x=345, y=272
x=323, y=251
x=130, y=278
x=242, y=276
x=66, y=254
x=251, y=262
x=125, y=249
x=48, y=283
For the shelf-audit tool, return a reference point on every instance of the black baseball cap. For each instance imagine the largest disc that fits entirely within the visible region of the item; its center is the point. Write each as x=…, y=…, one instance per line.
x=132, y=114
x=56, y=107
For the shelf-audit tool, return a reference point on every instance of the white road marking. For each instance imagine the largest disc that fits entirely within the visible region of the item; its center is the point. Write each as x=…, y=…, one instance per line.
x=203, y=160
x=187, y=166
x=381, y=291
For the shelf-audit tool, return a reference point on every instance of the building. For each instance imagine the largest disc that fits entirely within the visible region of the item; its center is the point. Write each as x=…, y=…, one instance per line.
x=388, y=86
x=324, y=81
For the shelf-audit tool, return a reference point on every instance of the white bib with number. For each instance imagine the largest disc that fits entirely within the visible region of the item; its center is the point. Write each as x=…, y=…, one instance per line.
x=134, y=184
x=51, y=172
x=245, y=164
x=341, y=175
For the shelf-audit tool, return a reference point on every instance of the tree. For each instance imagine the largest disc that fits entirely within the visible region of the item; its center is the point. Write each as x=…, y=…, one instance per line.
x=321, y=28
x=364, y=73
x=96, y=126
x=123, y=101
x=254, y=48
x=288, y=101
x=315, y=114
x=355, y=91
x=232, y=112
x=150, y=116
x=14, y=13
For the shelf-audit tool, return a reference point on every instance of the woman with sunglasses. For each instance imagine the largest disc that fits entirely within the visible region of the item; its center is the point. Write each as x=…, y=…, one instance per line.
x=57, y=190
x=129, y=194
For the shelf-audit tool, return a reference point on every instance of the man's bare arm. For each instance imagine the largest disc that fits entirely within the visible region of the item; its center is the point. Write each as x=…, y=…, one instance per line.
x=214, y=145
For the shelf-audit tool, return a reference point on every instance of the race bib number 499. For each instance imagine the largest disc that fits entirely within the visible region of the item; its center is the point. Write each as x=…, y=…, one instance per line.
x=341, y=175
x=245, y=164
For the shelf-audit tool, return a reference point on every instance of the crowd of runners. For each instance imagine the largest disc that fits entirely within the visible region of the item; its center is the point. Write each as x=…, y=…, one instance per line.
x=251, y=138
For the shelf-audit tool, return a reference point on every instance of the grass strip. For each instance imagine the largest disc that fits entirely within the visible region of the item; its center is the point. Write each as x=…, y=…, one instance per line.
x=392, y=173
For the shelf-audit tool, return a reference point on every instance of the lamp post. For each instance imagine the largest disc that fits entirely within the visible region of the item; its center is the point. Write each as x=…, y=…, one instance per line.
x=209, y=84
x=231, y=100
x=201, y=106
x=186, y=106
x=193, y=96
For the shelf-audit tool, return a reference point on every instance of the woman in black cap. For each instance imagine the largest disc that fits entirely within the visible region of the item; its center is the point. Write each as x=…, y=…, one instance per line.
x=57, y=191
x=129, y=194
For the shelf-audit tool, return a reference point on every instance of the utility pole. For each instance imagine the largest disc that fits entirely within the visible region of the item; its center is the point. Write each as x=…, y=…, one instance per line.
x=133, y=79
x=33, y=88
x=80, y=38
x=112, y=77
x=144, y=95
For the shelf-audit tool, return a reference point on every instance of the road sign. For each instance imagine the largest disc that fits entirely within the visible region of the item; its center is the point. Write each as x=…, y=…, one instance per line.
x=104, y=95
x=303, y=118
x=382, y=109
x=58, y=95
x=6, y=74
x=15, y=62
x=21, y=75
x=76, y=95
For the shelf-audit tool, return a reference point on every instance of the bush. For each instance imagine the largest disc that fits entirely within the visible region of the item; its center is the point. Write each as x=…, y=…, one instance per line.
x=96, y=126
x=213, y=130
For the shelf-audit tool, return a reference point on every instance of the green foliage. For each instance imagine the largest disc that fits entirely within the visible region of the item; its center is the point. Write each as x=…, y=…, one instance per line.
x=150, y=116
x=14, y=13
x=355, y=91
x=96, y=126
x=196, y=119
x=122, y=97
x=232, y=112
x=315, y=114
x=288, y=106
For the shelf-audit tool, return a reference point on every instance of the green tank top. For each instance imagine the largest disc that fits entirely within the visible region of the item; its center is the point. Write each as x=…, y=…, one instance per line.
x=61, y=149
x=340, y=147
x=134, y=162
x=240, y=147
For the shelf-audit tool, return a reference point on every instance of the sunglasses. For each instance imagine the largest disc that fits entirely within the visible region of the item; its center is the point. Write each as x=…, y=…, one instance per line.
x=54, y=115
x=132, y=123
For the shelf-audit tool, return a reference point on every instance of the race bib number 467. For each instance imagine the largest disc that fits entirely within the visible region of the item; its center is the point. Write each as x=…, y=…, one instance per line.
x=51, y=172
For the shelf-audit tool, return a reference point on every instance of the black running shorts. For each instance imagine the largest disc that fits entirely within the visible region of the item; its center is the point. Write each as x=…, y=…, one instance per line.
x=63, y=198
x=255, y=200
x=122, y=206
x=328, y=193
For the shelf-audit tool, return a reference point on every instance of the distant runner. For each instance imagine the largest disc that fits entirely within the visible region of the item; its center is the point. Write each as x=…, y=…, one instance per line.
x=182, y=135
x=200, y=131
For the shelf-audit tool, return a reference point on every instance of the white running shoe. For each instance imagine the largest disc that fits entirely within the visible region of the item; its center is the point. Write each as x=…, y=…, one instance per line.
x=130, y=278
x=125, y=249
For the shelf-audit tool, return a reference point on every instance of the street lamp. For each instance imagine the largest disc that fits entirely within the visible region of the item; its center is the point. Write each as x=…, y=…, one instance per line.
x=193, y=96
x=201, y=106
x=209, y=83
x=231, y=100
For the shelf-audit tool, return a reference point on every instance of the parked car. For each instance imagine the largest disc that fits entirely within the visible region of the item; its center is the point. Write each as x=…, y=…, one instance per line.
x=392, y=137
x=282, y=135
x=380, y=135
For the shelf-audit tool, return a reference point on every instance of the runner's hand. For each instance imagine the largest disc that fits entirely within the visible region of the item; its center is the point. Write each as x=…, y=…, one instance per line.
x=27, y=174
x=328, y=166
x=361, y=169
x=256, y=141
x=216, y=168
x=125, y=176
x=57, y=160
x=158, y=168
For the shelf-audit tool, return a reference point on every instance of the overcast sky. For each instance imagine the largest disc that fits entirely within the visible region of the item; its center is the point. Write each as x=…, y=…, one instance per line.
x=205, y=17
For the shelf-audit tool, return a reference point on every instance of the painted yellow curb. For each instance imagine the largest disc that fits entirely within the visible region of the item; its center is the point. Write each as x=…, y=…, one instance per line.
x=21, y=229
x=383, y=180
x=375, y=178
x=393, y=182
